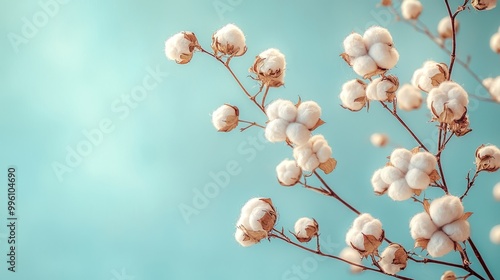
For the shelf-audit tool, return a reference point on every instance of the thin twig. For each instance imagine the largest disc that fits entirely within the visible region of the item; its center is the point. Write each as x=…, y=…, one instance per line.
x=480, y=258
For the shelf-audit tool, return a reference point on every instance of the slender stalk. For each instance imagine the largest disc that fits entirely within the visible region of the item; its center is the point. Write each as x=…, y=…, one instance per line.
x=470, y=183
x=426, y=261
x=334, y=195
x=480, y=258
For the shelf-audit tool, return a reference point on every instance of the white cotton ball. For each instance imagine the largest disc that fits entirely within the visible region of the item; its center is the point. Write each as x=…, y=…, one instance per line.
x=408, y=97
x=400, y=158
x=431, y=75
x=458, y=231
x=417, y=179
x=388, y=257
x=373, y=227
x=288, y=172
x=484, y=4
x=351, y=255
x=353, y=95
x=379, y=186
x=180, y=47
x=242, y=238
x=253, y=203
x=452, y=94
x=364, y=65
x=495, y=42
x=391, y=174
x=244, y=220
x=377, y=34
x=423, y=161
x=282, y=109
x=372, y=92
x=488, y=158
x=276, y=130
x=439, y=244
x=488, y=82
x=229, y=40
x=273, y=60
x=361, y=220
x=354, y=238
x=495, y=234
x=446, y=209
x=324, y=153
x=305, y=156
x=411, y=9
x=494, y=89
x=270, y=67
x=379, y=139
x=308, y=113
x=496, y=192
x=444, y=27
x=305, y=228
x=415, y=79
x=384, y=55
x=298, y=133
x=421, y=226
x=256, y=216
x=225, y=117
x=354, y=45
x=400, y=190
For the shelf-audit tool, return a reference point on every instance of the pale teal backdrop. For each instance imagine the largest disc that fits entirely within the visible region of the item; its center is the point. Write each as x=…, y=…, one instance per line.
x=68, y=69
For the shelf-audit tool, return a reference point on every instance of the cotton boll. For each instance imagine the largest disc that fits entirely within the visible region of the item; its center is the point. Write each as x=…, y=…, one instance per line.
x=225, y=118
x=364, y=65
x=372, y=92
x=400, y=190
x=377, y=34
x=448, y=275
x=445, y=210
x=409, y=98
x=298, y=133
x=411, y=9
x=400, y=158
x=379, y=186
x=439, y=244
x=229, y=40
x=247, y=209
x=242, y=238
x=283, y=109
x=262, y=219
x=353, y=95
x=351, y=255
x=436, y=99
x=495, y=89
x=444, y=27
x=305, y=157
x=308, y=113
x=288, y=172
x=431, y=75
x=495, y=42
x=276, y=130
x=453, y=95
x=488, y=158
x=484, y=4
x=270, y=66
x=354, y=45
x=488, y=82
x=417, y=179
x=495, y=234
x=305, y=229
x=324, y=154
x=354, y=238
x=424, y=161
x=379, y=139
x=421, y=226
x=496, y=192
x=393, y=259
x=181, y=46
x=391, y=174
x=458, y=231
x=384, y=55
x=361, y=220
x=310, y=164
x=373, y=227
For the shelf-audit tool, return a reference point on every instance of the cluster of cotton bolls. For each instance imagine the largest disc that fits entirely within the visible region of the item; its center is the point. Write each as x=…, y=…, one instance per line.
x=370, y=54
x=484, y=4
x=382, y=88
x=351, y=255
x=411, y=9
x=365, y=235
x=305, y=229
x=225, y=118
x=406, y=173
x=487, y=158
x=270, y=66
x=313, y=153
x=445, y=29
x=430, y=75
x=409, y=97
x=495, y=42
x=229, y=40
x=493, y=86
x=393, y=259
x=288, y=172
x=257, y=219
x=379, y=139
x=448, y=102
x=441, y=226
x=181, y=47
x=290, y=122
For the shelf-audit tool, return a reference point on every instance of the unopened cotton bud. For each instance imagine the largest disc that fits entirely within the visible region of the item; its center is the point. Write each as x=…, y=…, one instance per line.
x=379, y=139
x=496, y=192
x=353, y=95
x=421, y=226
x=308, y=114
x=488, y=158
x=298, y=133
x=225, y=118
x=458, y=231
x=448, y=275
x=484, y=4
x=424, y=161
x=495, y=42
x=270, y=66
x=377, y=34
x=444, y=27
x=364, y=65
x=181, y=47
x=379, y=186
x=446, y=209
x=393, y=259
x=400, y=158
x=354, y=45
x=305, y=229
x=399, y=190
x=288, y=172
x=382, y=89
x=353, y=256
x=448, y=102
x=409, y=97
x=384, y=55
x=439, y=244
x=282, y=109
x=411, y=9
x=244, y=239
x=229, y=40
x=495, y=234
x=276, y=130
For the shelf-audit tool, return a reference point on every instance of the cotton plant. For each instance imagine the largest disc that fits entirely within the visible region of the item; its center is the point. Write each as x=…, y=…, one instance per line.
x=443, y=226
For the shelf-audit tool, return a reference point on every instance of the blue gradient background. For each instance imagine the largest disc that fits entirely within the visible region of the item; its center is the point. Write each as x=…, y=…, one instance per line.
x=118, y=211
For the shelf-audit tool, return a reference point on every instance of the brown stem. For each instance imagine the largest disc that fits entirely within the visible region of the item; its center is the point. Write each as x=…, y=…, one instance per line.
x=250, y=124
x=264, y=97
x=442, y=135
x=470, y=183
x=334, y=195
x=480, y=258
x=426, y=260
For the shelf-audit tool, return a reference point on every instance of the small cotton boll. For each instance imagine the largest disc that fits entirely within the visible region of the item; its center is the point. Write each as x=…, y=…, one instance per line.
x=400, y=190
x=421, y=226
x=364, y=65
x=354, y=237
x=270, y=67
x=409, y=98
x=247, y=209
x=439, y=244
x=373, y=227
x=448, y=275
x=229, y=40
x=298, y=133
x=444, y=27
x=276, y=130
x=262, y=219
x=351, y=255
x=379, y=186
x=324, y=153
x=495, y=234
x=353, y=95
x=446, y=209
x=384, y=55
x=308, y=113
x=288, y=172
x=417, y=179
x=225, y=118
x=400, y=158
x=361, y=220
x=242, y=238
x=181, y=46
x=379, y=139
x=424, y=161
x=371, y=90
x=495, y=42
x=488, y=158
x=411, y=9
x=484, y=4
x=458, y=231
x=393, y=259
x=494, y=89
x=280, y=107
x=496, y=192
x=431, y=75
x=305, y=229
x=354, y=45
x=377, y=34
x=287, y=111
x=391, y=174
x=453, y=95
